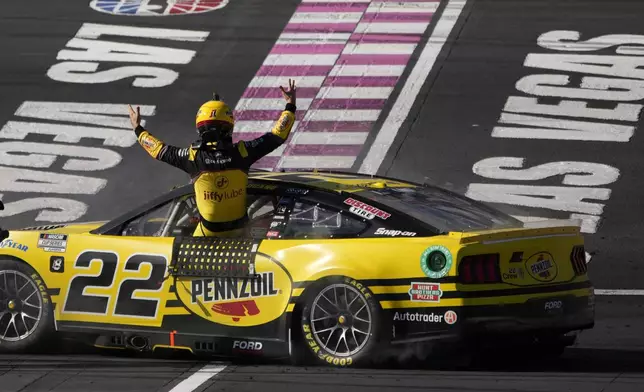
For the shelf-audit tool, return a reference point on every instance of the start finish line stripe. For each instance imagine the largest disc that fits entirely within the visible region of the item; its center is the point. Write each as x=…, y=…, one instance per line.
x=348, y=56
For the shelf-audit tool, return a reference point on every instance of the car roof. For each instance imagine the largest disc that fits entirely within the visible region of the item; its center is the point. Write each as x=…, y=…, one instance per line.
x=330, y=181
x=326, y=181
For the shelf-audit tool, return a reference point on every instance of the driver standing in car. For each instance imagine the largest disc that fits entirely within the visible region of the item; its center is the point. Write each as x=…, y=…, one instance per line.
x=218, y=167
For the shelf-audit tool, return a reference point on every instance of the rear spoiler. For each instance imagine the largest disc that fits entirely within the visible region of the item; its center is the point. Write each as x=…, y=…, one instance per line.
x=504, y=235
x=4, y=234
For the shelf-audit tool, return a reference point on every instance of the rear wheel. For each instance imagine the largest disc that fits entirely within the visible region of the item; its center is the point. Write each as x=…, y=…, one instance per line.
x=552, y=347
x=341, y=323
x=26, y=316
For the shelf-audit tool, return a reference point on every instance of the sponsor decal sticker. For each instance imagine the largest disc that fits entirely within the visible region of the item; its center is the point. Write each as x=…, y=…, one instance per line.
x=450, y=317
x=218, y=161
x=156, y=7
x=541, y=266
x=244, y=345
x=222, y=182
x=429, y=257
x=221, y=196
x=514, y=273
x=418, y=317
x=13, y=245
x=273, y=233
x=283, y=123
x=57, y=264
x=239, y=302
x=297, y=191
x=53, y=242
x=425, y=292
x=365, y=210
x=394, y=233
x=149, y=143
x=553, y=305
x=262, y=186
x=279, y=224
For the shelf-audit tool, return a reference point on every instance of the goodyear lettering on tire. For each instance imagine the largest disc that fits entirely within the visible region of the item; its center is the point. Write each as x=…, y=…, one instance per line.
x=330, y=359
x=41, y=288
x=359, y=286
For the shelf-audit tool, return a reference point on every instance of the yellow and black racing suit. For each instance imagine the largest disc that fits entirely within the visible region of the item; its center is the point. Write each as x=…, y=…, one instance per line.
x=220, y=173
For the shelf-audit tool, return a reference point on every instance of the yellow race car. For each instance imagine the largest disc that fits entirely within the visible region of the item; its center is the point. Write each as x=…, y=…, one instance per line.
x=334, y=267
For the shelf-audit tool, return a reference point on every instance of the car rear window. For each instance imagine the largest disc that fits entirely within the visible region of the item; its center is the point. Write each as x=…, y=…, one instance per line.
x=444, y=210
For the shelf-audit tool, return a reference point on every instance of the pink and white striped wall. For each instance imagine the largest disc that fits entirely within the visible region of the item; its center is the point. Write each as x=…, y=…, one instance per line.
x=346, y=56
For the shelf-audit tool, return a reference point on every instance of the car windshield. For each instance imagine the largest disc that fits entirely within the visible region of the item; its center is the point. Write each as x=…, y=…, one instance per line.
x=444, y=210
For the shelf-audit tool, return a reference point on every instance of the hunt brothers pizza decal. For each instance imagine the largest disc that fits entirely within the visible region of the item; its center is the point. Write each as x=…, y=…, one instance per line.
x=425, y=292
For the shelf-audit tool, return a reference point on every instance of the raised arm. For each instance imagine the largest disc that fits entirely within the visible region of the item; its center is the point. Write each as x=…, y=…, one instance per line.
x=175, y=156
x=255, y=149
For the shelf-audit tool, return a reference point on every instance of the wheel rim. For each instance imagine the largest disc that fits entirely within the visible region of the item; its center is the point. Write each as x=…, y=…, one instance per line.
x=20, y=306
x=341, y=320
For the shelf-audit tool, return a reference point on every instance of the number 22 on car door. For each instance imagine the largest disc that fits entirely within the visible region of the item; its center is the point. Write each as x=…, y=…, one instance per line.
x=124, y=287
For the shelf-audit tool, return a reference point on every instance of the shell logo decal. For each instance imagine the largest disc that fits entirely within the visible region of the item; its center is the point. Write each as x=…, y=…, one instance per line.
x=542, y=267
x=239, y=302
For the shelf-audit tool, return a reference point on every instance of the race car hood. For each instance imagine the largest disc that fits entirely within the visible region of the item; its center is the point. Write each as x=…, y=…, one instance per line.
x=73, y=228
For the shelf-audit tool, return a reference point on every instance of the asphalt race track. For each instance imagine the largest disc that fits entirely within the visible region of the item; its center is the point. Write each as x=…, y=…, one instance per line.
x=474, y=119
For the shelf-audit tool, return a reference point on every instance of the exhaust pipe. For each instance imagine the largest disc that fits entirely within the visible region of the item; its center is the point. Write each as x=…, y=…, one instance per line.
x=138, y=342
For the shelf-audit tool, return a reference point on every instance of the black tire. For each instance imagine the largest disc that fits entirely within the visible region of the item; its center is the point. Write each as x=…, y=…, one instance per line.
x=27, y=334
x=359, y=350
x=551, y=347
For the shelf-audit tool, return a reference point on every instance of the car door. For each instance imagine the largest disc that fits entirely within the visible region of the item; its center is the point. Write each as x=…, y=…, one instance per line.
x=119, y=279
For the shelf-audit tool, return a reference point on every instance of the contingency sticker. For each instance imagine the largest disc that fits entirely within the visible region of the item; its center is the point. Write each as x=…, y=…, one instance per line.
x=429, y=254
x=7, y=243
x=53, y=242
x=425, y=292
x=365, y=210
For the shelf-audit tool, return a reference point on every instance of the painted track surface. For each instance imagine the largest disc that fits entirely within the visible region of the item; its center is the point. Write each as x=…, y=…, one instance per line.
x=608, y=358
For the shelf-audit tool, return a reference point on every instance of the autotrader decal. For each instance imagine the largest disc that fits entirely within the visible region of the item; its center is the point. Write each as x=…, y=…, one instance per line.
x=449, y=317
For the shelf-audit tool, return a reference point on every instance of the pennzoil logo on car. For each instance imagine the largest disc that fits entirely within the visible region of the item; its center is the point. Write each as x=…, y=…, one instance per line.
x=425, y=292
x=239, y=302
x=541, y=266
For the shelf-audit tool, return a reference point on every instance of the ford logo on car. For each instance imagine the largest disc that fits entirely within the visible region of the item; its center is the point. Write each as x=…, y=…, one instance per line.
x=553, y=305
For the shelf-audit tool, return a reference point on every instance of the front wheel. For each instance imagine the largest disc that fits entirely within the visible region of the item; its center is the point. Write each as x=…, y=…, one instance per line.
x=26, y=317
x=341, y=323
